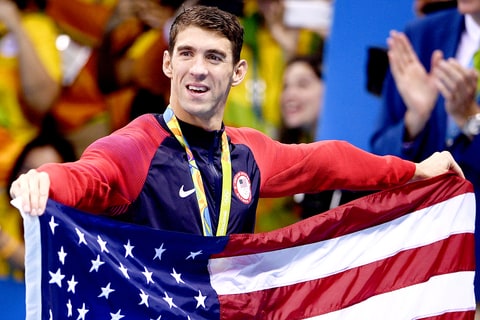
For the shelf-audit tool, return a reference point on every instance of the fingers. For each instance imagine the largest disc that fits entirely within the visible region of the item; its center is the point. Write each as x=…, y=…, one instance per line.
x=451, y=74
x=437, y=164
x=456, y=168
x=437, y=56
x=413, y=82
x=449, y=163
x=400, y=50
x=456, y=84
x=403, y=60
x=33, y=189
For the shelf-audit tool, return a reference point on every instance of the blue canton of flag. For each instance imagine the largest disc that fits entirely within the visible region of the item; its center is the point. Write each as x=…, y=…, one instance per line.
x=140, y=273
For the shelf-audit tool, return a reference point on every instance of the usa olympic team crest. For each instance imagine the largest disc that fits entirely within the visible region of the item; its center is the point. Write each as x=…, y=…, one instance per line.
x=242, y=187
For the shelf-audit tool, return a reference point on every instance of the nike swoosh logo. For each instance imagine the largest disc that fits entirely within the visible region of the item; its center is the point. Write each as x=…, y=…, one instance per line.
x=183, y=194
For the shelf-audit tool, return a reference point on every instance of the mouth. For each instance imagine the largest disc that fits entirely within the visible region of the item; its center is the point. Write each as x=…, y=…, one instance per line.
x=197, y=89
x=291, y=108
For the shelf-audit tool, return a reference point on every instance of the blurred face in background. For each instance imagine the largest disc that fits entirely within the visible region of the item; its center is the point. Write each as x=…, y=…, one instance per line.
x=470, y=7
x=301, y=96
x=41, y=155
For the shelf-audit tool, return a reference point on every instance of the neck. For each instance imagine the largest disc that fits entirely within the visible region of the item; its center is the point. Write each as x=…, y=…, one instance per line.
x=476, y=18
x=207, y=123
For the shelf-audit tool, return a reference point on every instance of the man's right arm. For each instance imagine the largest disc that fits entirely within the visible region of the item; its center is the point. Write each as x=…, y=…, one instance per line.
x=106, y=179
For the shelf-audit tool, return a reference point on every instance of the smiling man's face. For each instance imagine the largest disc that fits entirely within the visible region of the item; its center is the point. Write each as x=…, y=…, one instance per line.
x=202, y=72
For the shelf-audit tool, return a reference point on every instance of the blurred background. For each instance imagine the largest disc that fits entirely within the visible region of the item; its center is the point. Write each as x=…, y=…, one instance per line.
x=104, y=69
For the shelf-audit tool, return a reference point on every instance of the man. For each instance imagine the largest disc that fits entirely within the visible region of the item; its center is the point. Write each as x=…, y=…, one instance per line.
x=429, y=96
x=161, y=169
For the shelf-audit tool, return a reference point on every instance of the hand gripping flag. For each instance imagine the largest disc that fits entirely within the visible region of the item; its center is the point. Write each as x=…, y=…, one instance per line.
x=404, y=253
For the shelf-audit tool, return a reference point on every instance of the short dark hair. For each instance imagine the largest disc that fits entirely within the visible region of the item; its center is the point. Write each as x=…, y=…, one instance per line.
x=23, y=4
x=209, y=18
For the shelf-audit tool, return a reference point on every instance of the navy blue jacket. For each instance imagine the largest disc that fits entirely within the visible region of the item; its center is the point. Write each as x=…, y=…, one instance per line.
x=437, y=31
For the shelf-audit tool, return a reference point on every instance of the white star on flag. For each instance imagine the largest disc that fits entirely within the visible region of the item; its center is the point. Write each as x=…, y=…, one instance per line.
x=148, y=275
x=71, y=284
x=61, y=255
x=169, y=300
x=96, y=264
x=194, y=254
x=106, y=291
x=128, y=249
x=159, y=252
x=82, y=312
x=144, y=298
x=124, y=271
x=200, y=299
x=57, y=277
x=52, y=225
x=117, y=315
x=81, y=237
x=177, y=276
x=103, y=244
x=69, y=308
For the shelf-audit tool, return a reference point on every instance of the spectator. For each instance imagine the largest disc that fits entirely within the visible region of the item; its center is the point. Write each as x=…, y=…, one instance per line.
x=82, y=111
x=131, y=54
x=47, y=147
x=268, y=45
x=377, y=59
x=29, y=83
x=429, y=94
x=300, y=108
x=301, y=98
x=301, y=105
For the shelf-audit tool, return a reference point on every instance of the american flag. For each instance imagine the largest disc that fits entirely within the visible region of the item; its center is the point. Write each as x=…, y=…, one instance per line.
x=404, y=253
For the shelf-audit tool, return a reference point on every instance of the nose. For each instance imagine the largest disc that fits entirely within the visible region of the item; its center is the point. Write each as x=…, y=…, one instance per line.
x=289, y=93
x=199, y=67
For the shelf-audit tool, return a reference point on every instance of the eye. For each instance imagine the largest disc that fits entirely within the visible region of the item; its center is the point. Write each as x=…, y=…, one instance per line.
x=185, y=53
x=304, y=83
x=215, y=57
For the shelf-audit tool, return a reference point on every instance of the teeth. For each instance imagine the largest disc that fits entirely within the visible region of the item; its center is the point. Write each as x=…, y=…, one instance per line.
x=202, y=89
x=291, y=107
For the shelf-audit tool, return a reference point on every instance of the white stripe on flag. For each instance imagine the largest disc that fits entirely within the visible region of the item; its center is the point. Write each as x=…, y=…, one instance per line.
x=233, y=275
x=33, y=258
x=446, y=293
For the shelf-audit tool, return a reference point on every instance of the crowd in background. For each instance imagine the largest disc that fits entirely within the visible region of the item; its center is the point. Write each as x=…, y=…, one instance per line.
x=78, y=70
x=74, y=71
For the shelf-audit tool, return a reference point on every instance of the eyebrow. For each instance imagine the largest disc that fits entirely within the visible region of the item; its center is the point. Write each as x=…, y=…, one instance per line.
x=210, y=51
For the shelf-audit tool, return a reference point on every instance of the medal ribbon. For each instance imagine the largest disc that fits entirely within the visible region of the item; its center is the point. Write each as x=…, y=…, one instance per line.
x=173, y=125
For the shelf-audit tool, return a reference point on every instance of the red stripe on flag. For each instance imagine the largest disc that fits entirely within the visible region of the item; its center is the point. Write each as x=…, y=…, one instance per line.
x=465, y=315
x=347, y=288
x=357, y=215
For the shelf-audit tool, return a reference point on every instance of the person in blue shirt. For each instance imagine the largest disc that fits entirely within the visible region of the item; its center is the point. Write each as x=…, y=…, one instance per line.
x=429, y=94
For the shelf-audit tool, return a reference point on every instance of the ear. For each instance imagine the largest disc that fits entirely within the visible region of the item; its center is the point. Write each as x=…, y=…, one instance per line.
x=239, y=72
x=167, y=64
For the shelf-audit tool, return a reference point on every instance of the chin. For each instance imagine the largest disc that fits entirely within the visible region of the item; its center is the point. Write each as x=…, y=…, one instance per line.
x=468, y=7
x=293, y=125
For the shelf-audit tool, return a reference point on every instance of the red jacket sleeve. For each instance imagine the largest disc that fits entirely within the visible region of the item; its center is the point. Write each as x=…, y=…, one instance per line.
x=111, y=172
x=287, y=169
